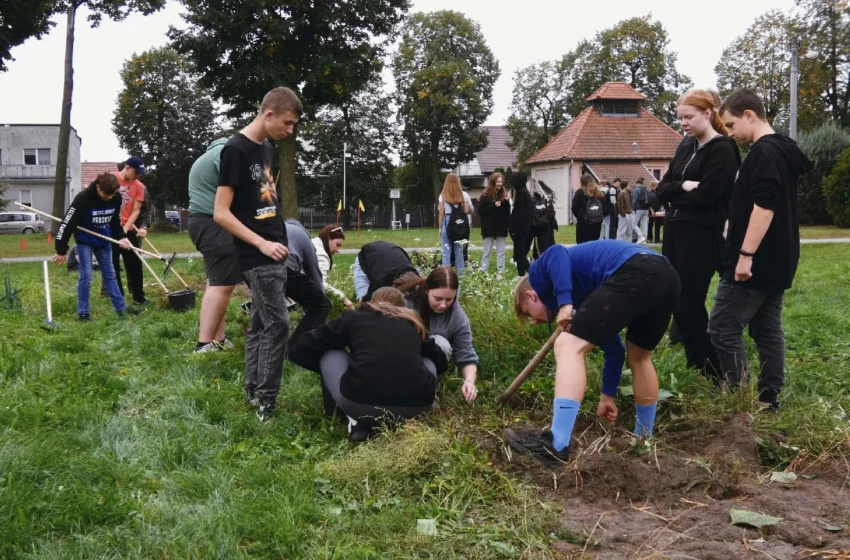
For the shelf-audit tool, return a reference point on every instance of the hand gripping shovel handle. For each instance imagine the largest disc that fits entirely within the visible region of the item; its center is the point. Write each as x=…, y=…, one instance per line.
x=168, y=267
x=532, y=365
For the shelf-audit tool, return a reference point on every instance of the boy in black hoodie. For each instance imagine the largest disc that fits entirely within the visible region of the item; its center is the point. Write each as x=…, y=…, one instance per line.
x=762, y=247
x=97, y=208
x=520, y=223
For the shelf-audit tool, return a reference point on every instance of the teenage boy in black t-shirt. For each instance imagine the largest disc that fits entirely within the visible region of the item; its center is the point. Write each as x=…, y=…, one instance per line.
x=246, y=205
x=762, y=247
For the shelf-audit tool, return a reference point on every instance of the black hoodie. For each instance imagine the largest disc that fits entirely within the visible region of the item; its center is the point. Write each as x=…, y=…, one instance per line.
x=382, y=262
x=91, y=212
x=523, y=209
x=768, y=178
x=714, y=166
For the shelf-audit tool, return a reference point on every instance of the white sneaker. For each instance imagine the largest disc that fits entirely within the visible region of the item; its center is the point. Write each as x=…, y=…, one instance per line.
x=225, y=344
x=208, y=347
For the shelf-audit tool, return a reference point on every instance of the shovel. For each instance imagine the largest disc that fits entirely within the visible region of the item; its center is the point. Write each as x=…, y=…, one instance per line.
x=532, y=365
x=48, y=325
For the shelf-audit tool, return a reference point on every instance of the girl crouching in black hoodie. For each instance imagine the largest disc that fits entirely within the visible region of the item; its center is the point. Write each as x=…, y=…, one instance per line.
x=382, y=377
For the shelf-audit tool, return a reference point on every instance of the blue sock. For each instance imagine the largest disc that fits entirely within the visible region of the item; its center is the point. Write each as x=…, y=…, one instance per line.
x=645, y=421
x=563, y=421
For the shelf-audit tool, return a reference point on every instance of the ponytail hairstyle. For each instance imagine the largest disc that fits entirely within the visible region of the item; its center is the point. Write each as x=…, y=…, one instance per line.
x=705, y=100
x=591, y=186
x=326, y=234
x=390, y=302
x=416, y=288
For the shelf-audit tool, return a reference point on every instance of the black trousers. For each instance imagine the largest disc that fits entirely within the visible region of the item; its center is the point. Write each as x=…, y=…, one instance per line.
x=541, y=239
x=614, y=223
x=587, y=232
x=133, y=264
x=695, y=252
x=312, y=298
x=655, y=225
x=522, y=243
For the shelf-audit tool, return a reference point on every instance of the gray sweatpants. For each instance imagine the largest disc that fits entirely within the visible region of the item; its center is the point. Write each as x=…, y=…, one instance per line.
x=268, y=331
x=500, y=253
x=334, y=364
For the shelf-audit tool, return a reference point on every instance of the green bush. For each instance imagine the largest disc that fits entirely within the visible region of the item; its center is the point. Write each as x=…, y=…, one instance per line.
x=823, y=146
x=836, y=190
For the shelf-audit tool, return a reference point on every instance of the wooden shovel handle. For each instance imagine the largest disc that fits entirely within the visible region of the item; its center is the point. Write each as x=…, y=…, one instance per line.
x=532, y=365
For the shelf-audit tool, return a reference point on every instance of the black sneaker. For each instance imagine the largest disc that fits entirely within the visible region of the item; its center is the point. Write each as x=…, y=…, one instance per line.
x=359, y=436
x=770, y=399
x=142, y=301
x=265, y=410
x=251, y=398
x=84, y=317
x=133, y=311
x=537, y=445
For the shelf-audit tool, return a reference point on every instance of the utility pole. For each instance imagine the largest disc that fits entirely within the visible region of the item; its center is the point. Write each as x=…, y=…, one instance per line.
x=345, y=155
x=795, y=74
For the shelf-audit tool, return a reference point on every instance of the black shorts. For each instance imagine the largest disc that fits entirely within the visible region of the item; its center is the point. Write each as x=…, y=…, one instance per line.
x=216, y=245
x=640, y=296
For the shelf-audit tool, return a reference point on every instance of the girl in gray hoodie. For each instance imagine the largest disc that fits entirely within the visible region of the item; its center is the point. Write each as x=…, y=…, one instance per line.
x=436, y=300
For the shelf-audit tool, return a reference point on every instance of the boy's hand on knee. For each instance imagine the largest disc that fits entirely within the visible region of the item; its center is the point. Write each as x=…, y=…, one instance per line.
x=607, y=408
x=565, y=315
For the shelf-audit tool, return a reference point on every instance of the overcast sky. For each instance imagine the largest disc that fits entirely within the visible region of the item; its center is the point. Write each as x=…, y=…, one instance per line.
x=519, y=33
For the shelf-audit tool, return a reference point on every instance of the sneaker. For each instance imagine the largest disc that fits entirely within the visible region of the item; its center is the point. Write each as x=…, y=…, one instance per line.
x=265, y=410
x=205, y=348
x=225, y=344
x=84, y=317
x=770, y=400
x=134, y=311
x=251, y=398
x=359, y=436
x=537, y=445
x=142, y=301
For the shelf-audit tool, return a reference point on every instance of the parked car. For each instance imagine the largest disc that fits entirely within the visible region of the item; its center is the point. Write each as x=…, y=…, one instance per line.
x=173, y=217
x=21, y=222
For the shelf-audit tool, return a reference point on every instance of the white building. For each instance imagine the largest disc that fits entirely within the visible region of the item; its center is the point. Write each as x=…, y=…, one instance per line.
x=28, y=164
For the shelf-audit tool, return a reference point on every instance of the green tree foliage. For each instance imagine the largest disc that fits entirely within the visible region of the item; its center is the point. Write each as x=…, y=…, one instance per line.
x=836, y=191
x=415, y=183
x=326, y=51
x=444, y=73
x=823, y=146
x=21, y=20
x=539, y=106
x=365, y=123
x=826, y=31
x=165, y=117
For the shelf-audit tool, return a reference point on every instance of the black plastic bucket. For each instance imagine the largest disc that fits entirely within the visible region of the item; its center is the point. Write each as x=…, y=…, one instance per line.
x=182, y=301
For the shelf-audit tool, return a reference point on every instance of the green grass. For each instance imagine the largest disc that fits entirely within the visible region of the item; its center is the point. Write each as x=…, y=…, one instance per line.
x=114, y=443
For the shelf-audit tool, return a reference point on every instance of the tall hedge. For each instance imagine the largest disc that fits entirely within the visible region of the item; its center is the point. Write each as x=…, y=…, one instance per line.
x=823, y=146
x=836, y=190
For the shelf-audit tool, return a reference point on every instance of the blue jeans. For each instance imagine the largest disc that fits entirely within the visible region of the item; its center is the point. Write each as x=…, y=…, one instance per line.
x=449, y=246
x=104, y=259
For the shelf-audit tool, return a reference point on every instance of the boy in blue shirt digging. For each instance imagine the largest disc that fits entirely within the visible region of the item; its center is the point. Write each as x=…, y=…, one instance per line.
x=611, y=285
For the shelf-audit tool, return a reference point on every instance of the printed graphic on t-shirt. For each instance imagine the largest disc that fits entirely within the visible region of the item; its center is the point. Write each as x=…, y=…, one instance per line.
x=125, y=195
x=267, y=203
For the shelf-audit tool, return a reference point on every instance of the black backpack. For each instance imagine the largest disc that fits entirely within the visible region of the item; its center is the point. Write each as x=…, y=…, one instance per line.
x=458, y=226
x=643, y=199
x=540, y=213
x=594, y=210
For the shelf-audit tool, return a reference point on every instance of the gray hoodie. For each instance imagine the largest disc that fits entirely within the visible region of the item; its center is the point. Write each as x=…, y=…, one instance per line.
x=453, y=325
x=302, y=254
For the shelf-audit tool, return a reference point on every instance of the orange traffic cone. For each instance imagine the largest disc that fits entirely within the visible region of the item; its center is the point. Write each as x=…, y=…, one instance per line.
x=50, y=238
x=23, y=244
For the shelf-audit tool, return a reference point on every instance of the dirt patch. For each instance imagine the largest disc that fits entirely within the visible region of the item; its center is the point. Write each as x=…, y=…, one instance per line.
x=674, y=501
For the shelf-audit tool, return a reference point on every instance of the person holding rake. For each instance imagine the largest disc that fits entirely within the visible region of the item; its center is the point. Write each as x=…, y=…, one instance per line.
x=611, y=285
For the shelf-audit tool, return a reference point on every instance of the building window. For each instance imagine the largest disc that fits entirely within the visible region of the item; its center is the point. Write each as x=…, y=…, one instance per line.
x=26, y=198
x=616, y=108
x=657, y=174
x=36, y=156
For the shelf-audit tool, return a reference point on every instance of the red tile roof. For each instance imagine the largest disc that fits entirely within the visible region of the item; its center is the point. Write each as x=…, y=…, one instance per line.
x=627, y=171
x=497, y=153
x=90, y=170
x=591, y=136
x=618, y=91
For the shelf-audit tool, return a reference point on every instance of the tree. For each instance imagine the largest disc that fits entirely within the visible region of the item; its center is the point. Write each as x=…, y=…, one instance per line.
x=21, y=20
x=326, y=51
x=166, y=118
x=539, y=106
x=826, y=28
x=444, y=73
x=836, y=190
x=823, y=146
x=365, y=124
x=633, y=51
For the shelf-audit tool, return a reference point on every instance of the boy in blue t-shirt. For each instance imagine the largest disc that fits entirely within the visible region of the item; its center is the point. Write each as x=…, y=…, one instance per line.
x=597, y=289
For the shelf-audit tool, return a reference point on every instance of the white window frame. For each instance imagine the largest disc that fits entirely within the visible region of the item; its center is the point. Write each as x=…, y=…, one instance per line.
x=35, y=152
x=21, y=197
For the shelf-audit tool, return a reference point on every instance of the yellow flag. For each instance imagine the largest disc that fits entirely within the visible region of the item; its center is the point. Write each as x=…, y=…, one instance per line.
x=339, y=208
x=360, y=203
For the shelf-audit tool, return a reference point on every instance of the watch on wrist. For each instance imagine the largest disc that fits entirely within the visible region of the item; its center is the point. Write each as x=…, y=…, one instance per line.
x=746, y=254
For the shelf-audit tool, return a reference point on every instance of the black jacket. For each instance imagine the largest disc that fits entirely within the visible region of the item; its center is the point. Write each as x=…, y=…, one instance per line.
x=714, y=166
x=523, y=210
x=579, y=206
x=386, y=358
x=494, y=219
x=768, y=178
x=383, y=262
x=93, y=213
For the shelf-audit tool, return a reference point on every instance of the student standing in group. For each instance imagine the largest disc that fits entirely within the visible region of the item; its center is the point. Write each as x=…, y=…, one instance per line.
x=216, y=247
x=464, y=240
x=640, y=207
x=543, y=224
x=454, y=224
x=304, y=280
x=495, y=210
x=595, y=290
x=327, y=244
x=132, y=195
x=520, y=222
x=656, y=215
x=762, y=248
x=97, y=209
x=625, y=222
x=246, y=205
x=588, y=208
x=612, y=221
x=696, y=190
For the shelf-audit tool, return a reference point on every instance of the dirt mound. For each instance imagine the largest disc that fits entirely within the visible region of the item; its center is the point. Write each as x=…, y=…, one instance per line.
x=632, y=501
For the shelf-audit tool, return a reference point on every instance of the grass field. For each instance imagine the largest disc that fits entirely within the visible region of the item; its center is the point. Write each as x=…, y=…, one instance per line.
x=36, y=245
x=115, y=443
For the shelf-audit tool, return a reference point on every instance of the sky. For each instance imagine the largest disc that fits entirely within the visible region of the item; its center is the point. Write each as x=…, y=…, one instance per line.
x=518, y=33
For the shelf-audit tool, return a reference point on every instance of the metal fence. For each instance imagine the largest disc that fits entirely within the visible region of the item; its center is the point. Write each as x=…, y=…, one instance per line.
x=420, y=216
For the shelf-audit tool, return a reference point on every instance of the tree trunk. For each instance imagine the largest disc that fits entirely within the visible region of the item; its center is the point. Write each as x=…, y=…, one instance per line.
x=435, y=176
x=286, y=190
x=59, y=182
